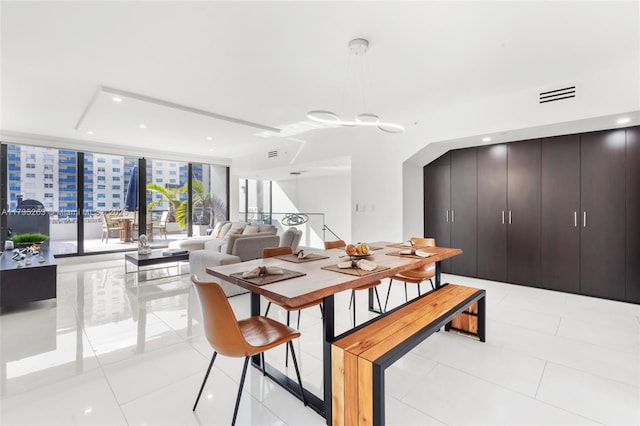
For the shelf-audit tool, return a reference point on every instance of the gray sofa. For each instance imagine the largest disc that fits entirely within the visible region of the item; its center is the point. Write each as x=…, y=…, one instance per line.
x=225, y=247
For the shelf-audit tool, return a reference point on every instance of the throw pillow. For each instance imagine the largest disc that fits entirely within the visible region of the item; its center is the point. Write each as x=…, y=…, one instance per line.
x=224, y=229
x=216, y=230
x=250, y=229
x=233, y=231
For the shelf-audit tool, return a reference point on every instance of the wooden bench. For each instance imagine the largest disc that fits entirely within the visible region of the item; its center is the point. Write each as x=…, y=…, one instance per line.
x=359, y=357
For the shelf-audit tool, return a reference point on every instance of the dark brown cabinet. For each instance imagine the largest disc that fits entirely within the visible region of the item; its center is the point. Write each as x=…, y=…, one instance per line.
x=633, y=215
x=437, y=199
x=602, y=215
x=464, y=215
x=561, y=213
x=559, y=208
x=492, y=209
x=523, y=213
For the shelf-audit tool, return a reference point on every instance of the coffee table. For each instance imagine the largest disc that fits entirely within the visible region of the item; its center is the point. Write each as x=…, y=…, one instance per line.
x=154, y=258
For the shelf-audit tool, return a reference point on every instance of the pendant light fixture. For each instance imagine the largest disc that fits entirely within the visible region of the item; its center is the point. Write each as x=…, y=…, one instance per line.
x=357, y=49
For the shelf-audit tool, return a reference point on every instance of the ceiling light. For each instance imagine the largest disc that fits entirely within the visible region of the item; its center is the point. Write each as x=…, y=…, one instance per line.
x=357, y=48
x=90, y=132
x=486, y=139
x=623, y=120
x=116, y=99
x=209, y=138
x=143, y=126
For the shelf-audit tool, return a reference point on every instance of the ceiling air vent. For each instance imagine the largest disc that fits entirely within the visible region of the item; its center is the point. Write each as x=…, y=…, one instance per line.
x=558, y=94
x=272, y=154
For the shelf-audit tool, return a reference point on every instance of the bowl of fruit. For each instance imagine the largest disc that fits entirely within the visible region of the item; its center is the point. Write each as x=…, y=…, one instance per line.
x=358, y=251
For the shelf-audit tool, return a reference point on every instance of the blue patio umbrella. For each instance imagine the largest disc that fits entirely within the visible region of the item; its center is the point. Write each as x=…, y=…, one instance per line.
x=131, y=200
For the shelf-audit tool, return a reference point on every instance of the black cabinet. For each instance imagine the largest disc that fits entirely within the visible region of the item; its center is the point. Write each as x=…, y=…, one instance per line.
x=602, y=216
x=437, y=199
x=633, y=215
x=492, y=206
x=560, y=206
x=464, y=211
x=523, y=215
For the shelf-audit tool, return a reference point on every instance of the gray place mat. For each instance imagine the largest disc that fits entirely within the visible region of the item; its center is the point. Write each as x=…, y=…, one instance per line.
x=269, y=279
x=294, y=257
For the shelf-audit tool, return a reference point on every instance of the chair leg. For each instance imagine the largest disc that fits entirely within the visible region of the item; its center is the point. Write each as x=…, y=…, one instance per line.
x=264, y=365
x=432, y=286
x=298, y=325
x=388, y=292
x=266, y=313
x=321, y=311
x=206, y=376
x=295, y=364
x=244, y=373
x=418, y=289
x=406, y=297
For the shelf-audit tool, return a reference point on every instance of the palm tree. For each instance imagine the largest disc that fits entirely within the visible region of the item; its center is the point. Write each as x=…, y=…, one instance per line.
x=169, y=196
x=209, y=203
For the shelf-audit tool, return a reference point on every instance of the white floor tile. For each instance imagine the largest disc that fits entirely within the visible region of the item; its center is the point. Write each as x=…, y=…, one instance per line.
x=457, y=398
x=85, y=399
x=579, y=355
x=591, y=396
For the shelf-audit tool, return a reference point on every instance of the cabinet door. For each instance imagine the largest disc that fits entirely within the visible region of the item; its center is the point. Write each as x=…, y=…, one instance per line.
x=602, y=199
x=523, y=216
x=633, y=215
x=560, y=206
x=437, y=199
x=464, y=211
x=492, y=206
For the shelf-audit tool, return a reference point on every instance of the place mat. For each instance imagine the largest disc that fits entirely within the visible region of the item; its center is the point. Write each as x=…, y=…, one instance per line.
x=294, y=257
x=410, y=256
x=269, y=279
x=399, y=245
x=354, y=271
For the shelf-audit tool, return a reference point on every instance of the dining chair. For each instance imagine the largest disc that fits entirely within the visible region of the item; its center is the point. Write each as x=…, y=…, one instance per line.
x=109, y=225
x=415, y=276
x=245, y=338
x=161, y=225
x=334, y=244
x=339, y=244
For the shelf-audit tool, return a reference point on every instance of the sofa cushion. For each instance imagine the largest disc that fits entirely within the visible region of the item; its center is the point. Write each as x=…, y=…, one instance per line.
x=265, y=228
x=233, y=231
x=215, y=244
x=215, y=233
x=224, y=229
x=251, y=229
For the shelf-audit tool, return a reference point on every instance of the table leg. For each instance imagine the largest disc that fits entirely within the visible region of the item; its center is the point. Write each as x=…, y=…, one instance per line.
x=329, y=338
x=438, y=272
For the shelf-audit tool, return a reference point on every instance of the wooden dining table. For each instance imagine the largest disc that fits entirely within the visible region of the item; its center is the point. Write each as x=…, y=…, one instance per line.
x=319, y=280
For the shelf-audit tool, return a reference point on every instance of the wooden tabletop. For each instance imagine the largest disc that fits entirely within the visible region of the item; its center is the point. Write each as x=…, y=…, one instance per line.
x=319, y=283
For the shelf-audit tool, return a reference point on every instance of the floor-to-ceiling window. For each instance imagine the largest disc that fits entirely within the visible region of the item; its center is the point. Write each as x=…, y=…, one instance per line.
x=255, y=201
x=43, y=193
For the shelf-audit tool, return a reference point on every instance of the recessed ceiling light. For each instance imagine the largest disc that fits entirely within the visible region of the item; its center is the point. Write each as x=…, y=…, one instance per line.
x=209, y=138
x=623, y=120
x=116, y=99
x=486, y=139
x=210, y=149
x=143, y=126
x=90, y=132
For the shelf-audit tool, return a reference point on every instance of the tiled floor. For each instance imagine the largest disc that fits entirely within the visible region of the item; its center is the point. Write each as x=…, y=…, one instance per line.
x=112, y=353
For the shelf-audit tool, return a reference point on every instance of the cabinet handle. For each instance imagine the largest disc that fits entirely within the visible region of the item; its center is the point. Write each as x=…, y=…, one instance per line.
x=447, y=216
x=503, y=217
x=575, y=219
x=584, y=219
x=453, y=216
x=509, y=217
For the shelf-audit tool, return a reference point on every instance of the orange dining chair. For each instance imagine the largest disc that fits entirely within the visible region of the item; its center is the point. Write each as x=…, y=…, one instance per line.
x=339, y=244
x=244, y=338
x=418, y=275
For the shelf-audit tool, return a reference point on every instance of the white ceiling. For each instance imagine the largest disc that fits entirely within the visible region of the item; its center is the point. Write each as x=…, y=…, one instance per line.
x=271, y=62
